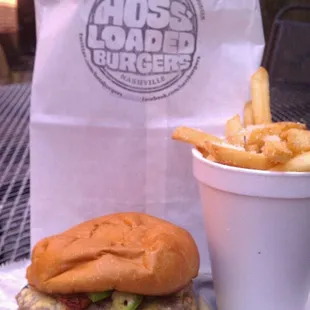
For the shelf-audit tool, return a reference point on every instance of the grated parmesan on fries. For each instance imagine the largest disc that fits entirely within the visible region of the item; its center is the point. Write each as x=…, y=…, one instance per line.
x=257, y=143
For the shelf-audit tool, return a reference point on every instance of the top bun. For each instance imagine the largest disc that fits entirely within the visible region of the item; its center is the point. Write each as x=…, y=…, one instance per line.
x=129, y=252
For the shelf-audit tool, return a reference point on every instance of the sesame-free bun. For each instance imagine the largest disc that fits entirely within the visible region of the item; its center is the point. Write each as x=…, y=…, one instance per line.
x=128, y=252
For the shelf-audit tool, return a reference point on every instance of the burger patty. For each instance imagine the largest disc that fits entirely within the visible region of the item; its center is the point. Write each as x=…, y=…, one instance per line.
x=30, y=299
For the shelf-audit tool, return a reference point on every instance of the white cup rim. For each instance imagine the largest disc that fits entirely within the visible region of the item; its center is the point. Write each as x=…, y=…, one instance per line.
x=199, y=157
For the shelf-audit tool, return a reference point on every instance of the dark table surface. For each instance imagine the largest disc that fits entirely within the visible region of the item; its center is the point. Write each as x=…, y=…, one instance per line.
x=287, y=104
x=14, y=173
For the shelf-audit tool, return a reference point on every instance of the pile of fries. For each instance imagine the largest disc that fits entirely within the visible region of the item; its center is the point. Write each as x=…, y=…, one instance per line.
x=255, y=142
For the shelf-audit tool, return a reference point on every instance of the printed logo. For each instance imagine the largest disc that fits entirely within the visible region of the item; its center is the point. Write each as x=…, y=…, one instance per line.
x=141, y=48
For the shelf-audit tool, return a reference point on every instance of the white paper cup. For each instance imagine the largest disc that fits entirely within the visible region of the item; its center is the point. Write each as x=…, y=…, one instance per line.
x=258, y=230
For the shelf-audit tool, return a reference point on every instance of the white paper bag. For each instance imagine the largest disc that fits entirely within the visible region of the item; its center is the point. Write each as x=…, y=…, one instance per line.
x=112, y=79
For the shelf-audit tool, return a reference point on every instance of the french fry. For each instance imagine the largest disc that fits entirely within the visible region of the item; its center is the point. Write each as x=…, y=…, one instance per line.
x=257, y=133
x=238, y=157
x=297, y=140
x=300, y=163
x=277, y=152
x=254, y=148
x=233, y=126
x=248, y=117
x=238, y=139
x=257, y=148
x=195, y=137
x=203, y=151
x=261, y=97
x=233, y=131
x=273, y=138
x=211, y=158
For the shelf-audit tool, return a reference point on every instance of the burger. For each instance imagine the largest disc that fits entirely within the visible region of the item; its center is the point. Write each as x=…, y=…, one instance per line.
x=122, y=261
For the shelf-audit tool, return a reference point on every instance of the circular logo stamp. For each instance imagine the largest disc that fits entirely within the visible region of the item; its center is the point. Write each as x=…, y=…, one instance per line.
x=141, y=48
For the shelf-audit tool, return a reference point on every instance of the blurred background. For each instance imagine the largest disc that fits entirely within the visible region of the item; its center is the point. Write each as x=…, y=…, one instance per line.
x=17, y=40
x=18, y=34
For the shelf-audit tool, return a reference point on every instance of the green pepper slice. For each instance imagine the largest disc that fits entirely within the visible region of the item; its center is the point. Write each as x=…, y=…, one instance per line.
x=95, y=297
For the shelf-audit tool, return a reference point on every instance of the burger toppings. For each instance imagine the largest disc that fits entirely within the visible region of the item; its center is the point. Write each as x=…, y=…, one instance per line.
x=74, y=302
x=95, y=297
x=31, y=299
x=125, y=301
